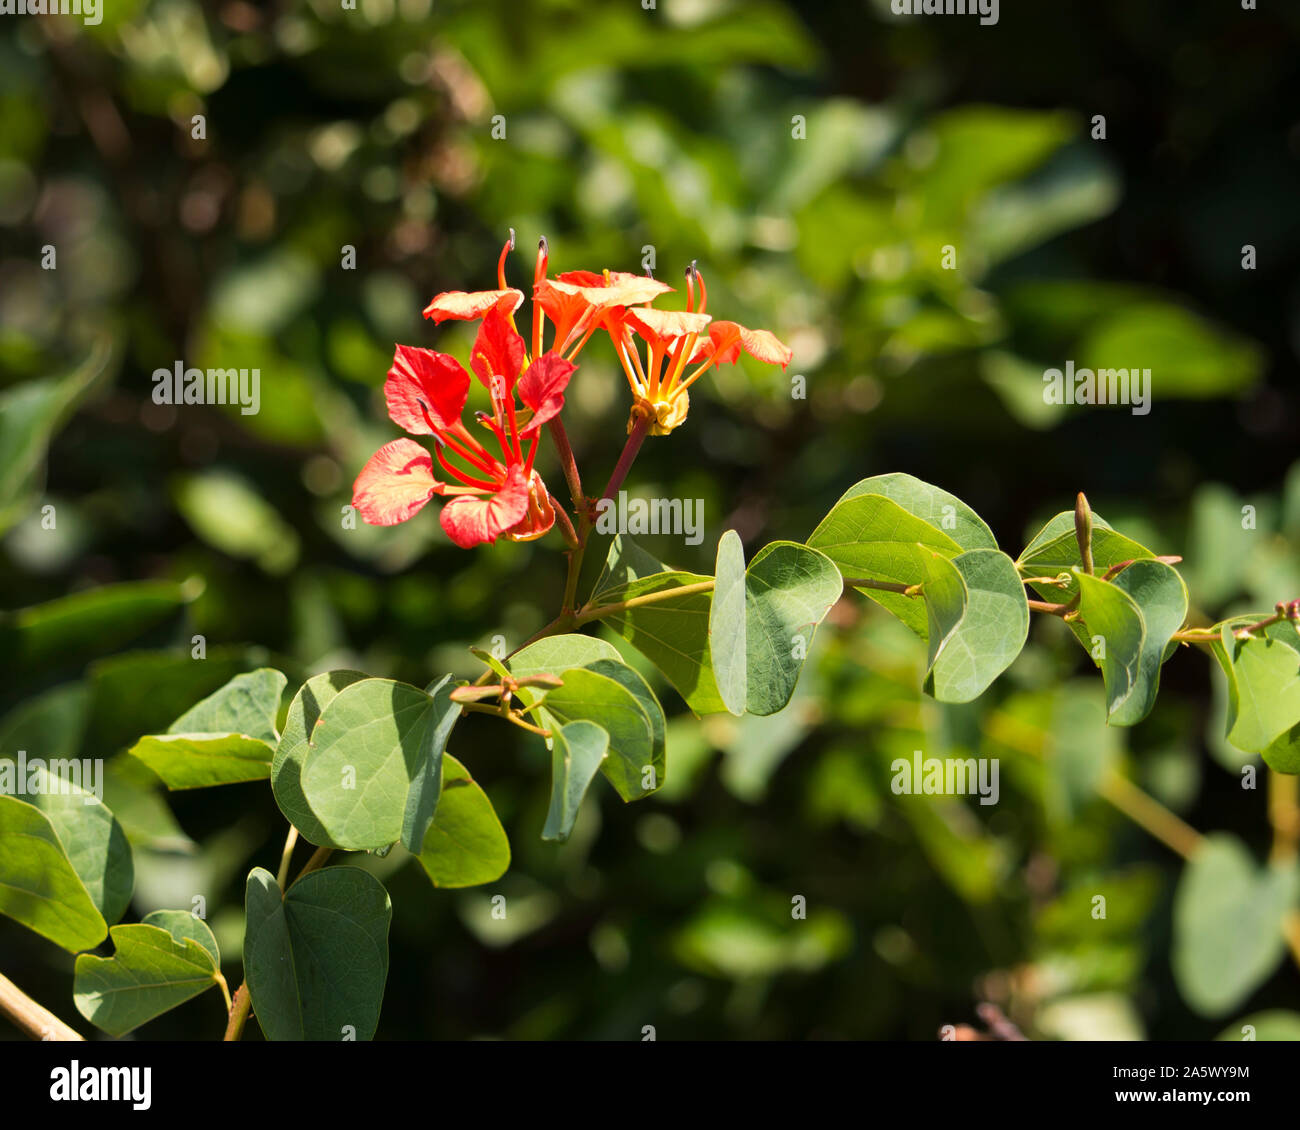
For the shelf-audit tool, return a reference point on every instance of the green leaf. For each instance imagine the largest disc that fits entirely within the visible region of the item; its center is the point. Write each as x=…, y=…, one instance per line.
x=52, y=723
x=69, y=631
x=789, y=589
x=316, y=960
x=625, y=562
x=554, y=654
x=603, y=697
x=199, y=761
x=38, y=885
x=150, y=972
x=291, y=754
x=1080, y=749
x=465, y=845
x=31, y=414
x=1276, y=1024
x=1055, y=548
x=1192, y=357
x=576, y=753
x=727, y=617
x=182, y=924
x=227, y=738
x=1161, y=598
x=371, y=774
x=490, y=660
x=935, y=507
x=872, y=536
x=1263, y=674
x=978, y=622
x=93, y=840
x=229, y=514
x=1111, y=630
x=246, y=705
x=673, y=634
x=1228, y=924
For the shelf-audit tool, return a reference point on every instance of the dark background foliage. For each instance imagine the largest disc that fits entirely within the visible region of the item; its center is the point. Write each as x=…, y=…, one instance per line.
x=670, y=128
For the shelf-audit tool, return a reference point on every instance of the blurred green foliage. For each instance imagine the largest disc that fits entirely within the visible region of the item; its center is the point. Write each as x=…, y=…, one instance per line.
x=676, y=129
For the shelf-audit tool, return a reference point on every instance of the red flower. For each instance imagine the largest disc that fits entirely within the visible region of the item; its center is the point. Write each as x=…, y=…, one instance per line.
x=491, y=495
x=673, y=340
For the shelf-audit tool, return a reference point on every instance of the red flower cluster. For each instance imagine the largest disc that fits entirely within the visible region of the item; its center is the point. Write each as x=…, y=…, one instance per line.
x=426, y=392
x=491, y=495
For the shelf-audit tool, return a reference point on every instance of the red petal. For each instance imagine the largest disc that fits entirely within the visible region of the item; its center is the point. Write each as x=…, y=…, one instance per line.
x=541, y=513
x=542, y=386
x=498, y=350
x=729, y=339
x=396, y=482
x=663, y=327
x=581, y=278
x=422, y=376
x=624, y=289
x=471, y=521
x=465, y=306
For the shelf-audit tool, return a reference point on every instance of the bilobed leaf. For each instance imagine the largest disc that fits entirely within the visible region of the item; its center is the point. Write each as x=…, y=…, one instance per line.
x=872, y=536
x=426, y=787
x=625, y=562
x=465, y=845
x=979, y=621
x=1228, y=924
x=933, y=506
x=246, y=705
x=1161, y=598
x=673, y=633
x=632, y=681
x=576, y=753
x=1055, y=548
x=1111, y=630
x=291, y=754
x=182, y=924
x=370, y=760
x=316, y=960
x=150, y=972
x=789, y=589
x=93, y=840
x=199, y=761
x=1263, y=674
x=727, y=624
x=588, y=694
x=38, y=885
x=227, y=738
x=553, y=654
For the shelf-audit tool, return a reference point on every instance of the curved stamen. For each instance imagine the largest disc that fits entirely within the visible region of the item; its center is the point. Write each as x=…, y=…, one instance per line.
x=456, y=473
x=501, y=261
x=443, y=435
x=630, y=344
x=514, y=428
x=539, y=273
x=490, y=423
